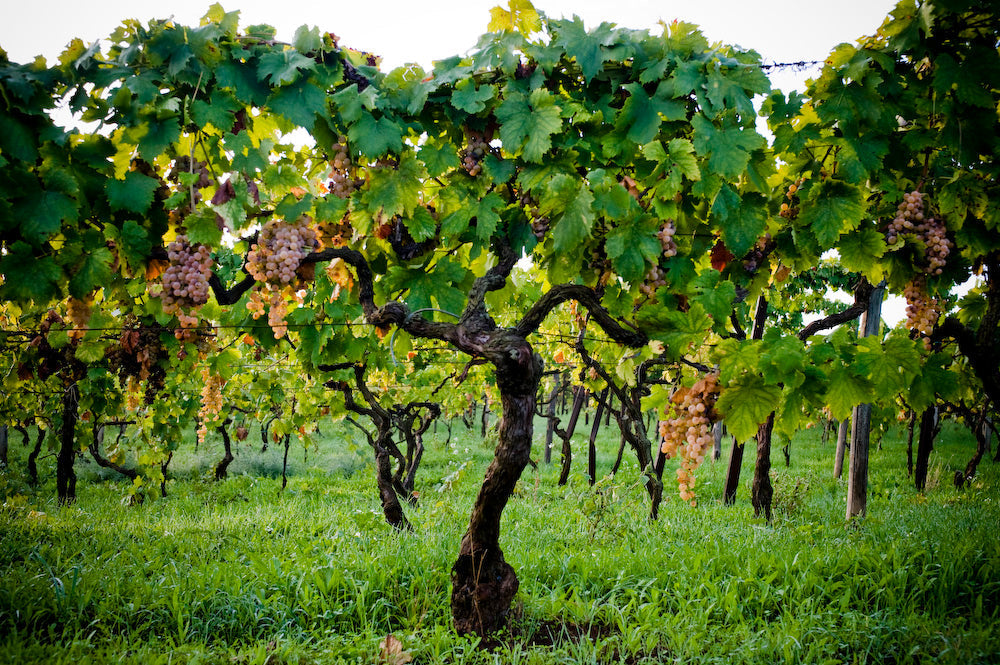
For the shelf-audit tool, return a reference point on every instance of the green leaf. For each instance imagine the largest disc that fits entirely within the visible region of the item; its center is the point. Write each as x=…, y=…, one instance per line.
x=219, y=110
x=134, y=193
x=203, y=227
x=892, y=367
x=17, y=140
x=421, y=224
x=91, y=350
x=45, y=214
x=307, y=39
x=283, y=67
x=860, y=250
x=586, y=47
x=713, y=293
x=528, y=122
x=631, y=245
x=467, y=97
x=375, y=137
x=845, y=390
x=742, y=226
x=396, y=191
x=300, y=103
x=729, y=148
x=569, y=201
x=291, y=207
x=831, y=208
x=746, y=404
x=351, y=102
x=93, y=272
x=158, y=135
x=438, y=158
x=27, y=277
x=682, y=158
x=134, y=245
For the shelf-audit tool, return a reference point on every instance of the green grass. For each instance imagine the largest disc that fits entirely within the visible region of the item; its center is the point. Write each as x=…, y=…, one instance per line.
x=239, y=572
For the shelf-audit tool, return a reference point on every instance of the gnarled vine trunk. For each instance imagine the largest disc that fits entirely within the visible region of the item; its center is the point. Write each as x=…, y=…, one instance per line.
x=65, y=475
x=483, y=583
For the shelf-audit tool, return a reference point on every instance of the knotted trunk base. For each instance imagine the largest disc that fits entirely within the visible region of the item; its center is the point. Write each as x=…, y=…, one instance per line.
x=483, y=589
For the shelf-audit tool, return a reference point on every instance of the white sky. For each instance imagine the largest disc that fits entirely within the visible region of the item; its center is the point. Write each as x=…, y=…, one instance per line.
x=423, y=31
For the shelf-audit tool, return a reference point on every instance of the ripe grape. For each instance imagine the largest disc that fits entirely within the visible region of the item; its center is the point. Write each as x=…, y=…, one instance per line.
x=274, y=260
x=78, y=313
x=922, y=311
x=476, y=149
x=689, y=432
x=184, y=283
x=341, y=182
x=666, y=238
x=911, y=220
x=211, y=401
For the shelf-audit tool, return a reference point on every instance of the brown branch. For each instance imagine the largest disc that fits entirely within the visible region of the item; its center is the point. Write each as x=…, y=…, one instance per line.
x=587, y=297
x=862, y=295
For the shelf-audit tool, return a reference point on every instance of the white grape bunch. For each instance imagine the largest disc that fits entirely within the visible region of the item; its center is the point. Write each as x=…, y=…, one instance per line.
x=688, y=434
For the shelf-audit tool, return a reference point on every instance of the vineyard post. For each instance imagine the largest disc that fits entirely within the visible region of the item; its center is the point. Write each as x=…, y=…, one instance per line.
x=857, y=472
x=838, y=460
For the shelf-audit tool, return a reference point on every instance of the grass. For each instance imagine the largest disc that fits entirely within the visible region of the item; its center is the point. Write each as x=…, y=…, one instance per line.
x=239, y=572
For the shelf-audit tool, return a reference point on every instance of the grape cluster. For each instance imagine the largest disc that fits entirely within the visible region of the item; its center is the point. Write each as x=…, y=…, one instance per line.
x=666, y=237
x=655, y=279
x=279, y=250
x=689, y=433
x=754, y=259
x=477, y=147
x=790, y=209
x=539, y=223
x=910, y=219
x=341, y=182
x=185, y=281
x=922, y=310
x=133, y=394
x=211, y=401
x=78, y=313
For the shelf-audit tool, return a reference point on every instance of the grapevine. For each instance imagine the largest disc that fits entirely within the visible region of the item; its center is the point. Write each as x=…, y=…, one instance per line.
x=689, y=433
x=184, y=283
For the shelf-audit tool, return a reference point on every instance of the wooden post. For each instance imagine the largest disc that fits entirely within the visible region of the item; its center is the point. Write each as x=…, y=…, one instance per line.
x=838, y=460
x=857, y=474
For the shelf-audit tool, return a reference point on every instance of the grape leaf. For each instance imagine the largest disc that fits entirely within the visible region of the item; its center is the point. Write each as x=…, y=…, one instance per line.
x=92, y=272
x=27, y=277
x=745, y=404
x=631, y=245
x=859, y=251
x=831, y=208
x=300, y=103
x=134, y=193
x=283, y=67
x=469, y=98
x=845, y=390
x=728, y=148
x=528, y=122
x=586, y=46
x=569, y=201
x=375, y=137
